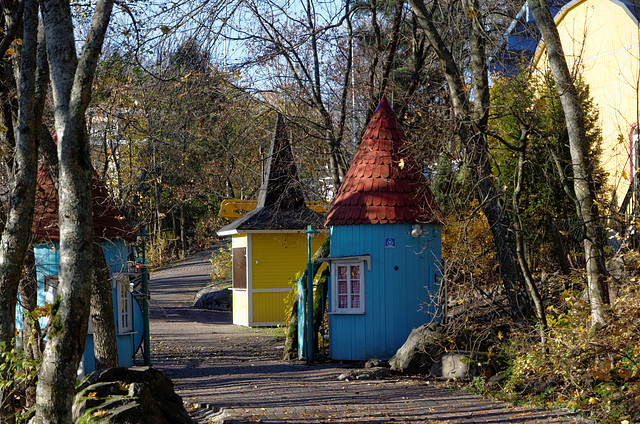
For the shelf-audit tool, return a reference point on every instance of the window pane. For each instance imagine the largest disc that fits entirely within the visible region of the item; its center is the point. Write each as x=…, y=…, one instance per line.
x=355, y=287
x=355, y=301
x=342, y=272
x=355, y=272
x=342, y=287
x=343, y=301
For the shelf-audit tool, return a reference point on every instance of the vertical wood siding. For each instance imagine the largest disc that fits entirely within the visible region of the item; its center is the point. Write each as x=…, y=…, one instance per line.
x=277, y=258
x=116, y=255
x=396, y=300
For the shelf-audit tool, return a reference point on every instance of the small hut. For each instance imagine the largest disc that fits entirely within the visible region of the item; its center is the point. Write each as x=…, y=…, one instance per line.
x=268, y=244
x=385, y=247
x=115, y=235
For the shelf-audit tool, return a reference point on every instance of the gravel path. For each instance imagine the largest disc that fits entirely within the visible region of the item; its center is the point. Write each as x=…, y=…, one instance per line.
x=233, y=374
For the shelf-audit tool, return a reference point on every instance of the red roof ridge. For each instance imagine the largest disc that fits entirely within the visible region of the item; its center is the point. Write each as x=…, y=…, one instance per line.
x=384, y=183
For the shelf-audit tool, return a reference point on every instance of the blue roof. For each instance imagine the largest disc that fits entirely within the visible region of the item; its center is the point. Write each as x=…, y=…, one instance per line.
x=520, y=40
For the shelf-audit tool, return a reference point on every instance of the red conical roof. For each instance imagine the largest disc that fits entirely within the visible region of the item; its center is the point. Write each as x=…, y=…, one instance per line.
x=384, y=183
x=108, y=221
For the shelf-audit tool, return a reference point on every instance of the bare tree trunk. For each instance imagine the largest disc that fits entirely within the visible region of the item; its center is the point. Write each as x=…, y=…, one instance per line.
x=104, y=331
x=32, y=337
x=291, y=341
x=471, y=129
x=582, y=179
x=71, y=82
x=532, y=289
x=15, y=237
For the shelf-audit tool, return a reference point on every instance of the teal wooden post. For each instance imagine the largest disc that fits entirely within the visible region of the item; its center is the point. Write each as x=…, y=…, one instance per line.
x=309, y=333
x=145, y=301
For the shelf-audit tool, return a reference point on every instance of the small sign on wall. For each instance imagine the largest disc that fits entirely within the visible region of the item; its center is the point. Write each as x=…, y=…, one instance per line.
x=389, y=242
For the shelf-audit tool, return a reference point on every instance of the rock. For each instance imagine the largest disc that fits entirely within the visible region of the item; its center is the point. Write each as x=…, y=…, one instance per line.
x=376, y=373
x=417, y=354
x=496, y=382
x=140, y=395
x=213, y=298
x=457, y=364
x=375, y=363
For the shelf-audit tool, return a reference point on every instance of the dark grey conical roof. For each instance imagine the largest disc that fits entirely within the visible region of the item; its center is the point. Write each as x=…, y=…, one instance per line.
x=281, y=203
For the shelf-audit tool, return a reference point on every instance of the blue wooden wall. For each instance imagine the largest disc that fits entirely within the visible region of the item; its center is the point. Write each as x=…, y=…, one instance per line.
x=47, y=263
x=396, y=300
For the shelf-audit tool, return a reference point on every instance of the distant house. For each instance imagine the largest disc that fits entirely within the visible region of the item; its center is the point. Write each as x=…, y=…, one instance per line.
x=268, y=244
x=600, y=38
x=115, y=236
x=386, y=267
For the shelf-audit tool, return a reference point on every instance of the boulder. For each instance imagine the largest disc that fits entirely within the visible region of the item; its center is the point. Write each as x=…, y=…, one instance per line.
x=376, y=373
x=457, y=365
x=213, y=297
x=417, y=354
x=376, y=363
x=140, y=395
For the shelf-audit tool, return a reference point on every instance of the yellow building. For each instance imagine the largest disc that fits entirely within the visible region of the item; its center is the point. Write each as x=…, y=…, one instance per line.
x=268, y=244
x=602, y=39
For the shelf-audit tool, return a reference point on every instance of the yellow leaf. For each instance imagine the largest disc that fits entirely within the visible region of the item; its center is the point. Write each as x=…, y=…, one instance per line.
x=92, y=395
x=471, y=13
x=19, y=41
x=401, y=164
x=624, y=422
x=124, y=386
x=624, y=174
x=100, y=413
x=593, y=401
x=9, y=52
x=165, y=29
x=3, y=128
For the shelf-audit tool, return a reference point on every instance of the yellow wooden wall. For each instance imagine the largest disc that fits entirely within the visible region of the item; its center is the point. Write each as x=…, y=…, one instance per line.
x=276, y=257
x=240, y=307
x=600, y=37
x=273, y=260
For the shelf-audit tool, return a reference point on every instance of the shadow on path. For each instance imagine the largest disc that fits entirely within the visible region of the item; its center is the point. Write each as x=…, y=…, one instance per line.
x=238, y=373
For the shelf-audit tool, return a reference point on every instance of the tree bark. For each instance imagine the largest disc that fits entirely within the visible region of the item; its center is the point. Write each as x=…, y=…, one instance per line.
x=32, y=337
x=105, y=346
x=582, y=179
x=291, y=342
x=17, y=230
x=471, y=121
x=71, y=83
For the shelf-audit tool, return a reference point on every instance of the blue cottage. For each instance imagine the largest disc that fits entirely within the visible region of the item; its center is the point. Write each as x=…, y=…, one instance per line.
x=115, y=235
x=385, y=259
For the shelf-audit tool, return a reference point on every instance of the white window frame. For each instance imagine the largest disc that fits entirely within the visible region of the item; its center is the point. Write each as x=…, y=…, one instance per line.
x=125, y=311
x=50, y=288
x=335, y=264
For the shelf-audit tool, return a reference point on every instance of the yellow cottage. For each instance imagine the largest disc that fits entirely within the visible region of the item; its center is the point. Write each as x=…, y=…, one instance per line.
x=268, y=244
x=602, y=37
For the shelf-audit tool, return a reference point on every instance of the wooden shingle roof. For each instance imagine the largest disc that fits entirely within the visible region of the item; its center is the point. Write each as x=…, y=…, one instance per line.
x=384, y=183
x=108, y=222
x=281, y=204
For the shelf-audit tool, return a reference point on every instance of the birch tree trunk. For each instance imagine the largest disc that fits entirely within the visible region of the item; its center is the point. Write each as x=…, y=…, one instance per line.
x=471, y=126
x=105, y=346
x=582, y=179
x=71, y=83
x=16, y=234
